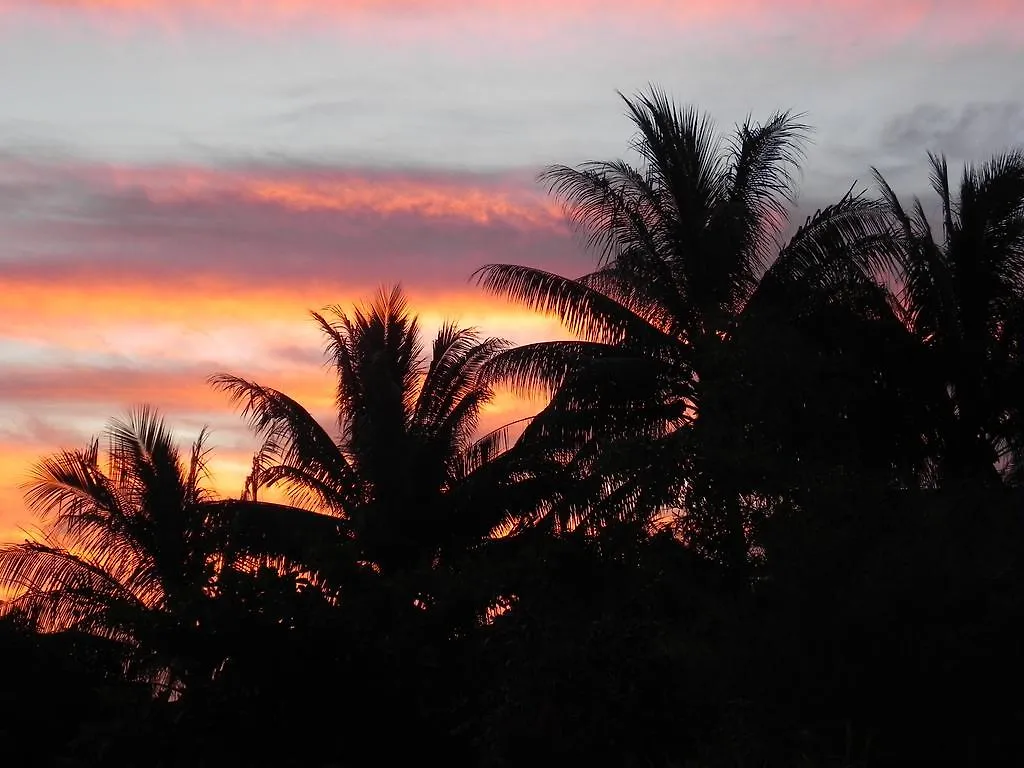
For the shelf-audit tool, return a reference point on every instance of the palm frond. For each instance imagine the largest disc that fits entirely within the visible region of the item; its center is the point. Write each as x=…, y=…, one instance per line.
x=57, y=588
x=376, y=354
x=71, y=483
x=764, y=158
x=278, y=531
x=585, y=312
x=892, y=203
x=310, y=490
x=683, y=151
x=847, y=244
x=294, y=435
x=454, y=374
x=646, y=284
x=544, y=367
x=495, y=443
x=612, y=205
x=939, y=179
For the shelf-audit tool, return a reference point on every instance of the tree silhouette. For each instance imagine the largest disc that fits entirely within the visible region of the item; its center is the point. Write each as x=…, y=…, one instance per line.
x=406, y=474
x=961, y=295
x=132, y=551
x=767, y=512
x=687, y=243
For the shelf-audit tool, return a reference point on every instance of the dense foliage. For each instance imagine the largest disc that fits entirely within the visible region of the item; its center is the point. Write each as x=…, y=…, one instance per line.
x=770, y=515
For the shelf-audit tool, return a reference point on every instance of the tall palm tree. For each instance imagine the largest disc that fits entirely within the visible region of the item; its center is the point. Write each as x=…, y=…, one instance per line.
x=961, y=295
x=132, y=550
x=690, y=260
x=404, y=475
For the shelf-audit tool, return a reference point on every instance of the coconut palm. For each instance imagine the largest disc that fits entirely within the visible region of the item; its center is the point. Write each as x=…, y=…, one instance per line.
x=961, y=295
x=690, y=266
x=132, y=549
x=404, y=475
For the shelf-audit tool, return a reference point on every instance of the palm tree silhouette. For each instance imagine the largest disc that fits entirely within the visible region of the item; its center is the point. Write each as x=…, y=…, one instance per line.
x=132, y=552
x=961, y=295
x=405, y=476
x=688, y=246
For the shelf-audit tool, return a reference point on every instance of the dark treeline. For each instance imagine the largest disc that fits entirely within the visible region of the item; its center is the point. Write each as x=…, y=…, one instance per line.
x=770, y=515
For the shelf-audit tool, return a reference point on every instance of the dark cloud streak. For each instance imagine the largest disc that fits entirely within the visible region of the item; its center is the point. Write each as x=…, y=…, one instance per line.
x=66, y=223
x=969, y=132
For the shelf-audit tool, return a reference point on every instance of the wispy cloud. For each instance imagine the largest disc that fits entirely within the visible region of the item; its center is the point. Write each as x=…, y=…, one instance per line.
x=130, y=280
x=956, y=131
x=131, y=284
x=185, y=247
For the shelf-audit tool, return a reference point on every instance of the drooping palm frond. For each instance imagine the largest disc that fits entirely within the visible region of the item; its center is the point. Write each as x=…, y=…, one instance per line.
x=505, y=495
x=308, y=491
x=41, y=568
x=544, y=367
x=639, y=491
x=580, y=469
x=488, y=447
x=585, y=312
x=645, y=283
x=924, y=293
x=615, y=397
x=841, y=251
x=293, y=438
x=290, y=536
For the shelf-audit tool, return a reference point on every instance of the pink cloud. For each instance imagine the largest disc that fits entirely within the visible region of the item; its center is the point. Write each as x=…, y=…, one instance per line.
x=159, y=250
x=251, y=225
x=134, y=284
x=873, y=21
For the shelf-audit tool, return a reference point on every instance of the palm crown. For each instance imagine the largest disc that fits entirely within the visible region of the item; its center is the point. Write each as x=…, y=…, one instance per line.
x=405, y=455
x=961, y=295
x=132, y=550
x=688, y=255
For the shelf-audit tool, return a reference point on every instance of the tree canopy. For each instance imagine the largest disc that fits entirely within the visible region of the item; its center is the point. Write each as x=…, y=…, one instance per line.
x=769, y=513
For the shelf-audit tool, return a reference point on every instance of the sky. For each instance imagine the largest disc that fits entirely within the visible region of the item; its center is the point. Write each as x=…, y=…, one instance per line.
x=181, y=181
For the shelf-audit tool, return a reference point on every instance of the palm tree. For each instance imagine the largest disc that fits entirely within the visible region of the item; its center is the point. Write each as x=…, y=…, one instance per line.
x=132, y=551
x=405, y=475
x=690, y=266
x=961, y=295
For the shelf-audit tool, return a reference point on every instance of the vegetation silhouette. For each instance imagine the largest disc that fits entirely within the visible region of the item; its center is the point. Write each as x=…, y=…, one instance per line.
x=400, y=416
x=770, y=514
x=959, y=297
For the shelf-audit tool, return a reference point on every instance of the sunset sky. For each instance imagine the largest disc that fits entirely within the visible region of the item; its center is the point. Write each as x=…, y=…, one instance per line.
x=182, y=180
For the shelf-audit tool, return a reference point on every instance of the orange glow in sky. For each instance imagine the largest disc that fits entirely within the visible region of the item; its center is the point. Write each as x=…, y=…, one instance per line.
x=181, y=181
x=173, y=345
x=353, y=192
